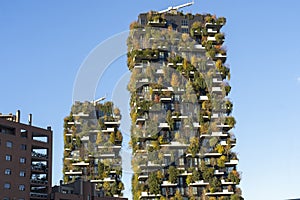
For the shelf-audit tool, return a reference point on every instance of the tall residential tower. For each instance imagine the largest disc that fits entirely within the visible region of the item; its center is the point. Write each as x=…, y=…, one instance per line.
x=181, y=114
x=92, y=142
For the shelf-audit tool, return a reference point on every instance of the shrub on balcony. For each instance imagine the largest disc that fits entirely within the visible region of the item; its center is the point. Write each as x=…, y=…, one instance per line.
x=194, y=146
x=230, y=121
x=173, y=173
x=234, y=176
x=154, y=183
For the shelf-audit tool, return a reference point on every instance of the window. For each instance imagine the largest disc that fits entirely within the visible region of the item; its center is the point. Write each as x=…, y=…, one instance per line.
x=195, y=192
x=24, y=133
x=6, y=185
x=8, y=144
x=22, y=173
x=8, y=157
x=22, y=160
x=7, y=172
x=184, y=22
x=23, y=146
x=184, y=30
x=22, y=187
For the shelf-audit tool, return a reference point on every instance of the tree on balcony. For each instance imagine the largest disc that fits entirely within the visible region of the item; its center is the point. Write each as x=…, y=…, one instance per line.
x=154, y=183
x=173, y=173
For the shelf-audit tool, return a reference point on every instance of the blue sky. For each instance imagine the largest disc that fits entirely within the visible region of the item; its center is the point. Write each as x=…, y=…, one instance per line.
x=43, y=44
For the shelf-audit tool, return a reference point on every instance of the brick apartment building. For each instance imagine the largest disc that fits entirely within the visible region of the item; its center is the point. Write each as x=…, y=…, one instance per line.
x=26, y=159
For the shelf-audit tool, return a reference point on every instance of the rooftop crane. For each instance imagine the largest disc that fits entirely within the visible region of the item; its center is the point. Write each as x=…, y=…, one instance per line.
x=176, y=7
x=98, y=100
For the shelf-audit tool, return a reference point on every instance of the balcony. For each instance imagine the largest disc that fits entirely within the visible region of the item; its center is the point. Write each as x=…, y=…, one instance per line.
x=221, y=57
x=211, y=31
x=138, y=65
x=148, y=195
x=217, y=172
x=109, y=179
x=113, y=123
x=81, y=114
x=216, y=80
x=164, y=125
x=39, y=181
x=160, y=71
x=108, y=130
x=39, y=155
x=212, y=154
x=218, y=134
x=199, y=183
x=81, y=164
x=175, y=145
x=71, y=172
x=107, y=155
x=223, y=182
x=203, y=98
x=216, y=89
x=38, y=195
x=165, y=99
x=209, y=38
x=168, y=184
x=232, y=163
x=224, y=192
x=144, y=80
x=39, y=167
x=199, y=46
x=142, y=177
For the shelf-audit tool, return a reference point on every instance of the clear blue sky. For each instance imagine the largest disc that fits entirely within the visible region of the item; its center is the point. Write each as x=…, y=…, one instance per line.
x=43, y=43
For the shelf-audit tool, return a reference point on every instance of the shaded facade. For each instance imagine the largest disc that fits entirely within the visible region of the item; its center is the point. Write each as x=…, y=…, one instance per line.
x=78, y=190
x=92, y=142
x=26, y=159
x=181, y=113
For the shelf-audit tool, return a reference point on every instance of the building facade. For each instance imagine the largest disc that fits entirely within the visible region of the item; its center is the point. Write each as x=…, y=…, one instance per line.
x=181, y=113
x=78, y=190
x=92, y=142
x=26, y=159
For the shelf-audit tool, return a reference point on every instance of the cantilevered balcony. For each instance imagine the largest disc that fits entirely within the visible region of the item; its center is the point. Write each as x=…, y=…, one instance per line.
x=211, y=31
x=108, y=130
x=109, y=179
x=232, y=163
x=168, y=184
x=164, y=125
x=81, y=114
x=72, y=173
x=216, y=89
x=221, y=57
x=113, y=123
x=81, y=164
x=217, y=172
x=142, y=177
x=199, y=183
x=203, y=98
x=224, y=192
x=224, y=182
x=146, y=195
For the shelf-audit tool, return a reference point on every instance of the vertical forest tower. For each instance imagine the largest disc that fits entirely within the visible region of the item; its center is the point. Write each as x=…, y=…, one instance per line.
x=181, y=135
x=92, y=142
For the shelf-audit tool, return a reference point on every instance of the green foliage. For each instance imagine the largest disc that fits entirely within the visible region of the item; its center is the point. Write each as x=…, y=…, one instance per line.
x=154, y=183
x=194, y=146
x=230, y=121
x=173, y=173
x=234, y=176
